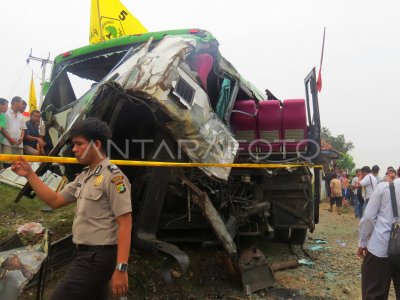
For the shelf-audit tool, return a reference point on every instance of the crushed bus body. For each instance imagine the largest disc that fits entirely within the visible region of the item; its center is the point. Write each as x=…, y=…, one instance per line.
x=172, y=96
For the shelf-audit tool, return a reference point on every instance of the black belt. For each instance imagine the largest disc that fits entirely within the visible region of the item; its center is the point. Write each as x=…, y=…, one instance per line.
x=95, y=247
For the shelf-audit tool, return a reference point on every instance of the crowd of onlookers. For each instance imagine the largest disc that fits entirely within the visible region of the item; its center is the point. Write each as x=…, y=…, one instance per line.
x=374, y=200
x=346, y=190
x=20, y=132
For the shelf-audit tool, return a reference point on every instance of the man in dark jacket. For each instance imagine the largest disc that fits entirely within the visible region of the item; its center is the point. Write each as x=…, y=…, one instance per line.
x=33, y=142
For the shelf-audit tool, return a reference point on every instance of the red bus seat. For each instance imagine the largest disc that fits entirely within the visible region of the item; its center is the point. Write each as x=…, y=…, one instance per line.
x=244, y=123
x=269, y=126
x=203, y=64
x=294, y=125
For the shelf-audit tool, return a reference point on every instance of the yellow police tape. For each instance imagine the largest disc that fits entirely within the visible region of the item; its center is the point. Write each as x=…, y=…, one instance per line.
x=140, y=163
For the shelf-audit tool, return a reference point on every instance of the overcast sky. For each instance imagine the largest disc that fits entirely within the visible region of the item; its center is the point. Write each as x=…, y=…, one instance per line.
x=273, y=44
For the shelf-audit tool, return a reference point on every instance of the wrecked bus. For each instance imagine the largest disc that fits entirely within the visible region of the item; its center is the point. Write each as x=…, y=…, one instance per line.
x=171, y=96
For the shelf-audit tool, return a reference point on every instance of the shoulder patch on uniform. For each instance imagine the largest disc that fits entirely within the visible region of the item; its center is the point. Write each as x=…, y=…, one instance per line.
x=116, y=179
x=120, y=187
x=113, y=168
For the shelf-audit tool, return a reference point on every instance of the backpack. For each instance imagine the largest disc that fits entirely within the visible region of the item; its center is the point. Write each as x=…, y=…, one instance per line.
x=394, y=240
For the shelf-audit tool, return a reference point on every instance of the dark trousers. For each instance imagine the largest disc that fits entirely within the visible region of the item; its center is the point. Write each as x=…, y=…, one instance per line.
x=377, y=273
x=360, y=207
x=88, y=276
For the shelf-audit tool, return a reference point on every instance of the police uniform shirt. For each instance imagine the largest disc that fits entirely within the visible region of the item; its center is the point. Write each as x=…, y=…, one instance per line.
x=102, y=195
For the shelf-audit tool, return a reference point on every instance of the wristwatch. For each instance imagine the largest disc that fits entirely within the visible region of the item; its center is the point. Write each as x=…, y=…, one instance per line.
x=122, y=267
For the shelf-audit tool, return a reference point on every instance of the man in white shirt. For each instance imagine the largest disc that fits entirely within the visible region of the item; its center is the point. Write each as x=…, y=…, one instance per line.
x=369, y=182
x=15, y=128
x=374, y=233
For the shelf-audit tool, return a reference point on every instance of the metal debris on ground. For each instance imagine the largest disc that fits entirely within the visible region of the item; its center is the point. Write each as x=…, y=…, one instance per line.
x=283, y=265
x=17, y=267
x=305, y=262
x=315, y=247
x=319, y=241
x=343, y=244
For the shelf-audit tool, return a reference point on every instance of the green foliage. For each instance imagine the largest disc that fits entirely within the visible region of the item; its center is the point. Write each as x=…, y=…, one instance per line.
x=338, y=142
x=346, y=162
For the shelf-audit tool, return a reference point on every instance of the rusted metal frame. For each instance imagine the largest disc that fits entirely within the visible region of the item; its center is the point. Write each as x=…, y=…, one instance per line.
x=210, y=213
x=283, y=265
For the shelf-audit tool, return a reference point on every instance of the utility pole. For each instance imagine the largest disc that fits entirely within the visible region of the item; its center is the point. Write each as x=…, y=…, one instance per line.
x=44, y=62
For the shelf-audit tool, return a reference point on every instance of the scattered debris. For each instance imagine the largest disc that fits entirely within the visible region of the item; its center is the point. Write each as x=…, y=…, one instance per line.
x=31, y=228
x=52, y=180
x=176, y=274
x=255, y=271
x=11, y=242
x=315, y=248
x=343, y=244
x=290, y=264
x=320, y=241
x=17, y=266
x=305, y=262
x=47, y=209
x=346, y=291
x=283, y=265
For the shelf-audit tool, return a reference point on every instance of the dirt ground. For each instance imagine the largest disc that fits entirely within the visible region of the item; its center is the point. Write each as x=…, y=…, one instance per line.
x=334, y=274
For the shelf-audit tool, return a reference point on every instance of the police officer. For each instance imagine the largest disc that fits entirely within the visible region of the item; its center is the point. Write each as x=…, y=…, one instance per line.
x=102, y=223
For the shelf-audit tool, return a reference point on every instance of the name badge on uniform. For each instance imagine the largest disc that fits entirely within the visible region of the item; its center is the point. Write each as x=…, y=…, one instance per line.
x=98, y=180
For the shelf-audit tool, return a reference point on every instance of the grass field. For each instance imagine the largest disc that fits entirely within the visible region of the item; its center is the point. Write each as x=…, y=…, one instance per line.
x=29, y=210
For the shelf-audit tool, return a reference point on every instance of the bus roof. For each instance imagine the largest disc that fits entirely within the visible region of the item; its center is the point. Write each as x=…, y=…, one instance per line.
x=132, y=39
x=200, y=34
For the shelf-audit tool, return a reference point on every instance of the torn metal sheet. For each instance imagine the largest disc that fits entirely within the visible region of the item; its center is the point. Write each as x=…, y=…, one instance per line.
x=159, y=75
x=165, y=78
x=17, y=267
x=255, y=271
x=210, y=213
